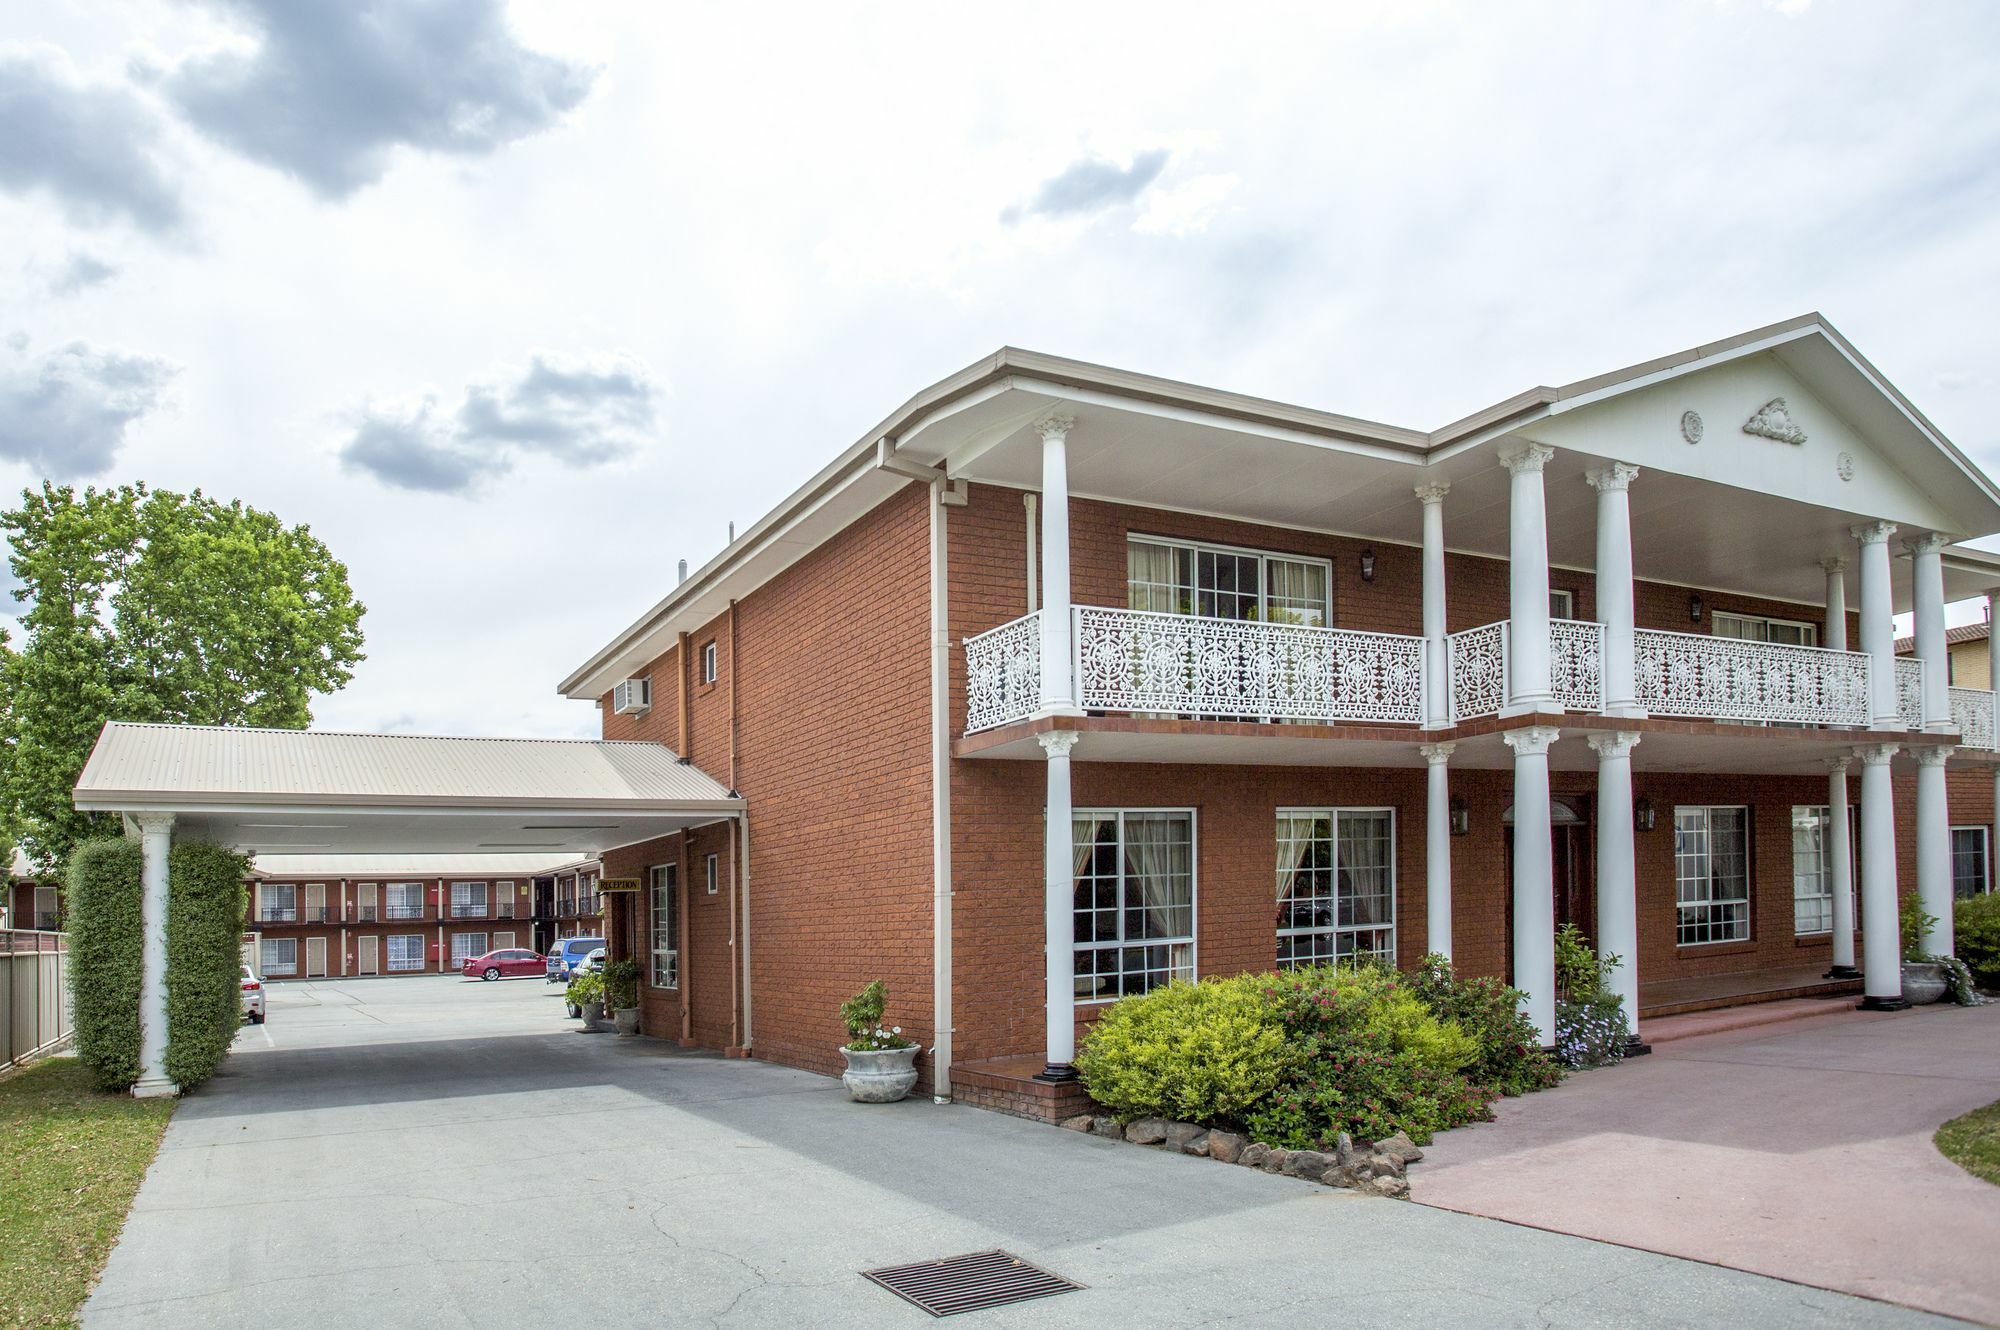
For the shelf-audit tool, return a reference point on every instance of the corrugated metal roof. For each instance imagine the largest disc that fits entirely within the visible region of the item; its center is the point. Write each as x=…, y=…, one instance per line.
x=138, y=766
x=388, y=867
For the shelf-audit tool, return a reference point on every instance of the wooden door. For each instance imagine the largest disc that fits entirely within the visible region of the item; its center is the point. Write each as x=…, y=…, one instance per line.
x=371, y=951
x=315, y=958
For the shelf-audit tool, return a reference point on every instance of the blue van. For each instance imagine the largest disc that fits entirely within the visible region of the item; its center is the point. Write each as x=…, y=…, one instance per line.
x=569, y=953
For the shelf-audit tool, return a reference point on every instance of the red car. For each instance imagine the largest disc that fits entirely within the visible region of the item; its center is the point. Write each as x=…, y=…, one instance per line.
x=508, y=962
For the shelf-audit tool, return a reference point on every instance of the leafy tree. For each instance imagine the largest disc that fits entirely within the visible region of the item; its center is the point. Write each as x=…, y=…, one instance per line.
x=147, y=605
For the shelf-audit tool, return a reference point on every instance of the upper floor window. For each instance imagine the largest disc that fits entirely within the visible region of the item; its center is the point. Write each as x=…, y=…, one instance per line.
x=468, y=900
x=403, y=900
x=280, y=903
x=714, y=874
x=1562, y=604
x=1758, y=628
x=708, y=659
x=1216, y=582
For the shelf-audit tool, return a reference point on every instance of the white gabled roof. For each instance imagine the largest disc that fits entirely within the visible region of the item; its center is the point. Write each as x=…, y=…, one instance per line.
x=394, y=867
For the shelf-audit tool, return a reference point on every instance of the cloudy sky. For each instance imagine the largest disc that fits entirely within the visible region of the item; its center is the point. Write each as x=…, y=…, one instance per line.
x=518, y=303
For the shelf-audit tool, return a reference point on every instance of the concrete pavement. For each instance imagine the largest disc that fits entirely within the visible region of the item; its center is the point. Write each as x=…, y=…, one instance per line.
x=432, y=1152
x=1801, y=1150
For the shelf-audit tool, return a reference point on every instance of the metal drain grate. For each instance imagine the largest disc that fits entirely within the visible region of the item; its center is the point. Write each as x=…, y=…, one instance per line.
x=970, y=1283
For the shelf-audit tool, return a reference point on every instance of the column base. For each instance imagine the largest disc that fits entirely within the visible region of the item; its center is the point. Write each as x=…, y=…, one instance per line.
x=1842, y=972
x=1872, y=1003
x=1056, y=1073
x=1635, y=1047
x=154, y=1087
x=1057, y=709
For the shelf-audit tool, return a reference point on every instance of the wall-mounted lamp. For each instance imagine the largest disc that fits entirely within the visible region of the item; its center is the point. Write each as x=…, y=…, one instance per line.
x=1643, y=815
x=1694, y=608
x=1368, y=565
x=1461, y=816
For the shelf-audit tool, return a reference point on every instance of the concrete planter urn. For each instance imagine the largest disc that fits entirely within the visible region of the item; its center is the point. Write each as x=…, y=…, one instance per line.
x=879, y=1075
x=593, y=1018
x=627, y=1020
x=1923, y=983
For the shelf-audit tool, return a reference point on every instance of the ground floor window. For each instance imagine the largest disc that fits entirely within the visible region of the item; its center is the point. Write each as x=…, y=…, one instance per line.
x=1712, y=874
x=1336, y=884
x=1134, y=900
x=666, y=934
x=406, y=952
x=1812, y=870
x=279, y=955
x=1969, y=875
x=465, y=946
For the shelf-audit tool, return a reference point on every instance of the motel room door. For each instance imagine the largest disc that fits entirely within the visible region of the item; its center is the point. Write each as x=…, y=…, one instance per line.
x=371, y=955
x=1574, y=861
x=315, y=958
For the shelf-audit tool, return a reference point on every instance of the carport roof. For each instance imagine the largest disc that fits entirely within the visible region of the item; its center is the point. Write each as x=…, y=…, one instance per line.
x=516, y=865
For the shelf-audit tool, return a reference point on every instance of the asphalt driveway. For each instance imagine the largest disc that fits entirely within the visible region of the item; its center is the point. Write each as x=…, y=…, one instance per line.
x=420, y=1152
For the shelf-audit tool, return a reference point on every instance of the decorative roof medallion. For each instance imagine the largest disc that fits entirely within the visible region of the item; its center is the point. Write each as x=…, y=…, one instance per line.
x=1773, y=421
x=1844, y=464
x=1691, y=426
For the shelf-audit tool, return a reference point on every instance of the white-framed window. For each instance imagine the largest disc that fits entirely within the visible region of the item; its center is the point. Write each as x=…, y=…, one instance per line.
x=1336, y=884
x=403, y=900
x=1219, y=582
x=279, y=955
x=1760, y=628
x=406, y=952
x=1812, y=870
x=1134, y=901
x=666, y=932
x=1562, y=604
x=468, y=900
x=1712, y=874
x=1970, y=872
x=279, y=903
x=708, y=662
x=464, y=946
x=714, y=866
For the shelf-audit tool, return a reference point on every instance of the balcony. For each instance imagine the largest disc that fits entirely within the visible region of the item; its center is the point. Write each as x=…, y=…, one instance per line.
x=468, y=909
x=278, y=914
x=403, y=912
x=1972, y=715
x=48, y=921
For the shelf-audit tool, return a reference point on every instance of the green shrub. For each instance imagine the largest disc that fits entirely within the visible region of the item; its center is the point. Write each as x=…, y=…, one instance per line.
x=862, y=1015
x=1912, y=922
x=586, y=991
x=205, y=903
x=1580, y=972
x=104, y=958
x=1976, y=929
x=1511, y=1059
x=621, y=984
x=1193, y=1052
x=1591, y=1032
x=1368, y=1095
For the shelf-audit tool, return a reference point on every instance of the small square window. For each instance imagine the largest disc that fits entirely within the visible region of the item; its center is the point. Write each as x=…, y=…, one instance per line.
x=708, y=670
x=714, y=874
x=1562, y=604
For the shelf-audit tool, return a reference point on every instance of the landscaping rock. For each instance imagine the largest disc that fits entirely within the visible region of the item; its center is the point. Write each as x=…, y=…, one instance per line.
x=1227, y=1146
x=1102, y=1125
x=1187, y=1138
x=1395, y=1187
x=1081, y=1122
x=1308, y=1164
x=1343, y=1149
x=1401, y=1147
x=1147, y=1131
x=1274, y=1159
x=1253, y=1154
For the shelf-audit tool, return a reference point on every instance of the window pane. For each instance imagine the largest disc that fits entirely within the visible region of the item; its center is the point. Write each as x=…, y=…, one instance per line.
x=1133, y=901
x=1336, y=885
x=1968, y=862
x=1712, y=874
x=1295, y=592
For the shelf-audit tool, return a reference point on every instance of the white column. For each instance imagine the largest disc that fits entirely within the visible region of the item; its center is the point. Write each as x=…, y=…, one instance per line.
x=1528, y=580
x=155, y=839
x=1437, y=849
x=1059, y=904
x=1614, y=588
x=1840, y=869
x=1437, y=708
x=1882, y=966
x=1934, y=847
x=1878, y=623
x=1058, y=679
x=1617, y=867
x=1993, y=682
x=1835, y=636
x=1534, y=879
x=1927, y=593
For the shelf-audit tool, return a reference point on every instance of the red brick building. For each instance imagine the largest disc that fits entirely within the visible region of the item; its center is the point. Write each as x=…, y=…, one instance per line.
x=1063, y=681
x=32, y=900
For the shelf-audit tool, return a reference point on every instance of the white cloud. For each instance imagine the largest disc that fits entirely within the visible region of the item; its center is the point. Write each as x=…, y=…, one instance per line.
x=1187, y=208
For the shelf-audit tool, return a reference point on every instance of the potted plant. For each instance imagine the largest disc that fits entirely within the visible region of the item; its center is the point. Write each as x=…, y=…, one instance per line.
x=881, y=1064
x=586, y=998
x=1923, y=975
x=621, y=994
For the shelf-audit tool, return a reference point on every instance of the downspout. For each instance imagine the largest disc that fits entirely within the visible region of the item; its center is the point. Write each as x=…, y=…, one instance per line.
x=735, y=1005
x=941, y=926
x=739, y=932
x=743, y=862
x=684, y=890
x=682, y=701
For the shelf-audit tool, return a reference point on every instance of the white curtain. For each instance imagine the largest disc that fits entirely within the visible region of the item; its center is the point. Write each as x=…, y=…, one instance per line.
x=1150, y=580
x=1157, y=872
x=1363, y=856
x=1295, y=592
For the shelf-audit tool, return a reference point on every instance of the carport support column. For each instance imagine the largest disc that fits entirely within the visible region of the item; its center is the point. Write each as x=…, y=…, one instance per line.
x=1437, y=712
x=1437, y=849
x=1617, y=871
x=1534, y=879
x=1934, y=849
x=155, y=839
x=1059, y=908
x=1878, y=639
x=1840, y=869
x=1615, y=608
x=1528, y=581
x=1882, y=967
x=1058, y=683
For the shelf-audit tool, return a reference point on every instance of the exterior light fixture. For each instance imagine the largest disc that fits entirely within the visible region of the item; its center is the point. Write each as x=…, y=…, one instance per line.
x=1643, y=816
x=1368, y=565
x=1694, y=608
x=1461, y=816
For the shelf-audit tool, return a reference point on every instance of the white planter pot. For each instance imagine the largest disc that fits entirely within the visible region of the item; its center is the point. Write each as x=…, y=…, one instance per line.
x=627, y=1019
x=1923, y=983
x=879, y=1076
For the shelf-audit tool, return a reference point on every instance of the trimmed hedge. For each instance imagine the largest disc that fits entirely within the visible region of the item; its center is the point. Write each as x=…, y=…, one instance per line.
x=1976, y=933
x=204, y=958
x=104, y=951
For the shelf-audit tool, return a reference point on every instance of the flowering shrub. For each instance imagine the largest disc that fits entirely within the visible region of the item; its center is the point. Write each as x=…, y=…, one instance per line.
x=1592, y=1032
x=862, y=1015
x=1195, y=1052
x=1511, y=1059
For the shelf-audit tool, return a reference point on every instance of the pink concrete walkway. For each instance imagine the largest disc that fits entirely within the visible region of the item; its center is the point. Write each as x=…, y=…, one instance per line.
x=1800, y=1150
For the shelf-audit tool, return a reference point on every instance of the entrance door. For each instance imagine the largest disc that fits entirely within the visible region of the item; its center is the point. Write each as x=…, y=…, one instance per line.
x=316, y=904
x=315, y=958
x=371, y=955
x=1573, y=877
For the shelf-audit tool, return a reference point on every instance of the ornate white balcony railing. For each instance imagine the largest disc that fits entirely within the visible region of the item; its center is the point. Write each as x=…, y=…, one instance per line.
x=1177, y=664
x=1972, y=714
x=1476, y=661
x=1910, y=692
x=1003, y=673
x=1576, y=664
x=1727, y=678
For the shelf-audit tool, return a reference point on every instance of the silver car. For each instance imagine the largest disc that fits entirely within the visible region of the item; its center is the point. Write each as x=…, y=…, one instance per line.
x=253, y=996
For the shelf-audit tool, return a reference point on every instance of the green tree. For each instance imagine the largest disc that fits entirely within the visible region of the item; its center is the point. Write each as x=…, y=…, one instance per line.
x=147, y=605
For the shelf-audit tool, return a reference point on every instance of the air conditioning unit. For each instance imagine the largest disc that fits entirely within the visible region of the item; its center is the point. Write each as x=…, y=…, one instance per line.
x=633, y=697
